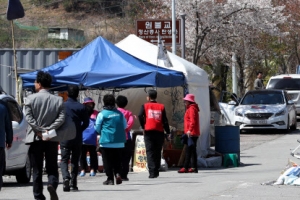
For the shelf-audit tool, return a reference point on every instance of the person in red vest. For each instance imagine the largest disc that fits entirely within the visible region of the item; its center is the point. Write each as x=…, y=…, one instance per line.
x=153, y=120
x=191, y=132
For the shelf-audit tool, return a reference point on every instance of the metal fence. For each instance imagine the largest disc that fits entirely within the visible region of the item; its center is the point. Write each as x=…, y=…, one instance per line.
x=27, y=60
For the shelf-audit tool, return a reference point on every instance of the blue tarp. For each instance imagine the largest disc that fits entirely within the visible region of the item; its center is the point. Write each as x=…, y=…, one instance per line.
x=101, y=64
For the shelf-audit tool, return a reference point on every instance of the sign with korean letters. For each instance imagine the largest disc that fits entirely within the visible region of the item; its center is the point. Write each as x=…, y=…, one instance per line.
x=148, y=30
x=139, y=157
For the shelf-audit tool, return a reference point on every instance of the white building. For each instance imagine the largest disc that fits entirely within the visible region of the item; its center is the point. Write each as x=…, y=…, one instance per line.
x=65, y=33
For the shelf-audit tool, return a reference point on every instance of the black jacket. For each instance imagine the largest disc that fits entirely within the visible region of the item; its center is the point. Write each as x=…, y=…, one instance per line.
x=78, y=113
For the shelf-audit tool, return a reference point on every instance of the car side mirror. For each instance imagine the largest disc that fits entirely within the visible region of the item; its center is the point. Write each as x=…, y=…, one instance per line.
x=15, y=125
x=290, y=102
x=231, y=103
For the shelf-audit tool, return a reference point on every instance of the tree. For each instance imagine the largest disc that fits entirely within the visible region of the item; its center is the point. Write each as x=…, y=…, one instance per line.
x=132, y=10
x=290, y=54
x=216, y=28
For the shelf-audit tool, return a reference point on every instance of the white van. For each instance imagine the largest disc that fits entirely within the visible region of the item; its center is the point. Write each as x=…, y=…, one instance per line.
x=17, y=159
x=290, y=83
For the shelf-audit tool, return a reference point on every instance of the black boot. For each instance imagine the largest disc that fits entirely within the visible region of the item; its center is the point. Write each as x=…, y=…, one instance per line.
x=118, y=179
x=73, y=185
x=108, y=182
x=66, y=186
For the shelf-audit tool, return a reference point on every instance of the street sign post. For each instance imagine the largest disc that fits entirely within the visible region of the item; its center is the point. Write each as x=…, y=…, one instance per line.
x=149, y=29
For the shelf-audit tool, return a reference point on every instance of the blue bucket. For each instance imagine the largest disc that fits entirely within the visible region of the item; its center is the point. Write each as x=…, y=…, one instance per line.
x=227, y=140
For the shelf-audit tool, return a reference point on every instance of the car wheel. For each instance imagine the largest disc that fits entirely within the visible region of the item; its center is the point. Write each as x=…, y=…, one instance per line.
x=24, y=174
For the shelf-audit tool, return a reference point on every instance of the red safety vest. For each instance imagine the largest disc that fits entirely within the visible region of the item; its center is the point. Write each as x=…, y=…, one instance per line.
x=153, y=113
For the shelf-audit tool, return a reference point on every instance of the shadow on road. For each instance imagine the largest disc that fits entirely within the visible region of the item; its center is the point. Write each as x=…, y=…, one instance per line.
x=13, y=184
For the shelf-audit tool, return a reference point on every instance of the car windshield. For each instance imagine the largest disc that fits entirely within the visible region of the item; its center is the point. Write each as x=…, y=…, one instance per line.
x=263, y=98
x=285, y=84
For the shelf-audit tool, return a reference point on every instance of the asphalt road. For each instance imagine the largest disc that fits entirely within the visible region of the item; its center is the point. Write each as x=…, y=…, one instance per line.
x=253, y=139
x=263, y=156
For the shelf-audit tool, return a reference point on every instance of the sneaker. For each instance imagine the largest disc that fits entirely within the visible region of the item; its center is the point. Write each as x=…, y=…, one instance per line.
x=182, y=170
x=193, y=170
x=118, y=179
x=82, y=174
x=66, y=185
x=92, y=173
x=53, y=194
x=108, y=182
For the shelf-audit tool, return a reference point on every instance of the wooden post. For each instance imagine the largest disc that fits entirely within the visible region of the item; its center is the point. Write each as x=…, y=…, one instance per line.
x=15, y=64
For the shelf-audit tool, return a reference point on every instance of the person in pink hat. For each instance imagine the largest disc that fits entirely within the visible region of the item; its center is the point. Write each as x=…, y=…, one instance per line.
x=191, y=132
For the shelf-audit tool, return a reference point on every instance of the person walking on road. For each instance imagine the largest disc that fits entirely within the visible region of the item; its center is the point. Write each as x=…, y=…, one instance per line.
x=89, y=140
x=191, y=132
x=43, y=112
x=258, y=83
x=79, y=115
x=153, y=120
x=111, y=125
x=127, y=152
x=6, y=136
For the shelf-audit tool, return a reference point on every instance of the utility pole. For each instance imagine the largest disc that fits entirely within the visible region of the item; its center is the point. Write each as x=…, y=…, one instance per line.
x=182, y=35
x=234, y=76
x=173, y=28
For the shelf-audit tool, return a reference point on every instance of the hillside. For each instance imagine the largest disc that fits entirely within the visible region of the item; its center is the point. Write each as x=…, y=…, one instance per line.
x=88, y=17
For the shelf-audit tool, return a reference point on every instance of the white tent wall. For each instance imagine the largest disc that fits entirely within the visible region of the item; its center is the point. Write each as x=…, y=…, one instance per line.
x=170, y=97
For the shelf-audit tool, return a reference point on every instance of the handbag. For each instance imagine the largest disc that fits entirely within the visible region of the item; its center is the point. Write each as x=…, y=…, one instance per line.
x=190, y=142
x=183, y=139
x=187, y=140
x=89, y=135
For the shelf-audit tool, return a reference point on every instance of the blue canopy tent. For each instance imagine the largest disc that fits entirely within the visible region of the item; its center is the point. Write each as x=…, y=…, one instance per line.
x=101, y=64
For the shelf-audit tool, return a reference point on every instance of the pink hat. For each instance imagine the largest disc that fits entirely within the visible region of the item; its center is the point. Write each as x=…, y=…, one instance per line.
x=189, y=97
x=88, y=100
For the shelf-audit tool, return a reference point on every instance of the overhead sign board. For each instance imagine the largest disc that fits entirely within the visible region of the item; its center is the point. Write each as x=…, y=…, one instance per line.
x=148, y=30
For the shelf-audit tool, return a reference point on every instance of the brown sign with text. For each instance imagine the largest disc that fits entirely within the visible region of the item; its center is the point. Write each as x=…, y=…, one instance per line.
x=149, y=29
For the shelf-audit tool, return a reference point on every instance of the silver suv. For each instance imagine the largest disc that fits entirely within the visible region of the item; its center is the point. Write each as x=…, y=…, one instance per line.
x=290, y=83
x=17, y=160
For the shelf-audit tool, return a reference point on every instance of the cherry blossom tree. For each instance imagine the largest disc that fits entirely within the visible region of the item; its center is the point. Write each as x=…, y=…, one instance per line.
x=289, y=55
x=217, y=28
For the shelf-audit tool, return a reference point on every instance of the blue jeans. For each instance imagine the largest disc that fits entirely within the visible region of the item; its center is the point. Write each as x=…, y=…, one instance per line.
x=66, y=152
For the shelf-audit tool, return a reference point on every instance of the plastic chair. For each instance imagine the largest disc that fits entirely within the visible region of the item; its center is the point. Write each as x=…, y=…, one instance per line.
x=230, y=158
